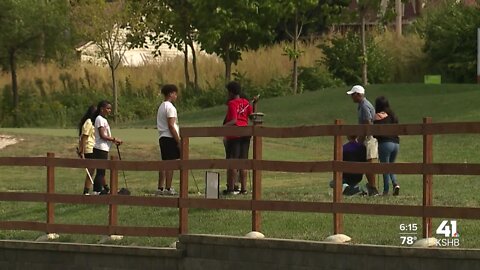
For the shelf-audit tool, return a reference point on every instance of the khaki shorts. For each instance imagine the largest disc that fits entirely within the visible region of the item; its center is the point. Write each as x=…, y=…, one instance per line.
x=372, y=147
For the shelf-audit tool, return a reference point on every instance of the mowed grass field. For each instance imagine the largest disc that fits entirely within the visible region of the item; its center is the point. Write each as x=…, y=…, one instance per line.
x=412, y=102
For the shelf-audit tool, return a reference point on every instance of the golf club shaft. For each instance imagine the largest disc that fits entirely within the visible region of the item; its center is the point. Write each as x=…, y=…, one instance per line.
x=86, y=169
x=89, y=175
x=120, y=158
x=195, y=181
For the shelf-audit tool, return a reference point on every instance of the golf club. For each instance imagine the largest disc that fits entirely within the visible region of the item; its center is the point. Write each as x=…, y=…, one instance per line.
x=86, y=169
x=123, y=191
x=195, y=181
x=89, y=175
x=250, y=180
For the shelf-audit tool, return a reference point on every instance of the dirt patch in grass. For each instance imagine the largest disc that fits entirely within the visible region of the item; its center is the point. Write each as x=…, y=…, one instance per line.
x=6, y=140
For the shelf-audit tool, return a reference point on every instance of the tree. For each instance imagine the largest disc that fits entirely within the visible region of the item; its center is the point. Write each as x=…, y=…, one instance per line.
x=31, y=31
x=450, y=37
x=166, y=22
x=398, y=18
x=299, y=14
x=361, y=11
x=365, y=8
x=105, y=23
x=227, y=28
x=296, y=12
x=340, y=59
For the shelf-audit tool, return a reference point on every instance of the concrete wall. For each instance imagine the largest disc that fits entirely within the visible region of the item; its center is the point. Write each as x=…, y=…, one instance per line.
x=215, y=252
x=22, y=255
x=219, y=252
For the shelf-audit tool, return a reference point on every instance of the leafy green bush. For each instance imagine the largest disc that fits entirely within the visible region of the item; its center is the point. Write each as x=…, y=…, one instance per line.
x=450, y=37
x=46, y=104
x=6, y=116
x=276, y=87
x=135, y=104
x=343, y=59
x=408, y=63
x=34, y=110
x=58, y=108
x=316, y=78
x=214, y=94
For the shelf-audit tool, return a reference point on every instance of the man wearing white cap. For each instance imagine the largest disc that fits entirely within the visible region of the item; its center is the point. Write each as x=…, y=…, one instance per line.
x=366, y=113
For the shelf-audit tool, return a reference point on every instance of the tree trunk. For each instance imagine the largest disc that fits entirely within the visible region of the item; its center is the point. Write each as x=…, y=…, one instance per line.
x=295, y=57
x=13, y=73
x=418, y=7
x=185, y=66
x=398, y=21
x=228, y=66
x=42, y=49
x=364, y=51
x=295, y=76
x=194, y=64
x=115, y=94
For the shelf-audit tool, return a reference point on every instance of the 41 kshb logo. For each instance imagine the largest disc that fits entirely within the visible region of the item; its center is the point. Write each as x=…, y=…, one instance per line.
x=448, y=229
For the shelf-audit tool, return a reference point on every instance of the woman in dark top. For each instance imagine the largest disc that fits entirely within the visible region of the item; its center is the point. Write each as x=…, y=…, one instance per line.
x=388, y=146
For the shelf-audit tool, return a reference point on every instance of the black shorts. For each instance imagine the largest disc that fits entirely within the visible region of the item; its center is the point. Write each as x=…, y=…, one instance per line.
x=237, y=148
x=99, y=154
x=169, y=148
x=89, y=156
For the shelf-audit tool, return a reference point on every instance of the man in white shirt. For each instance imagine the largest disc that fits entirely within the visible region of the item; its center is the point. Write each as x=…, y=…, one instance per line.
x=366, y=113
x=169, y=137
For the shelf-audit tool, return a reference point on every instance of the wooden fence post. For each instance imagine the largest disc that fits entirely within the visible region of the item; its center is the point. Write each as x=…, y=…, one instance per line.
x=113, y=208
x=257, y=177
x=338, y=181
x=183, y=214
x=50, y=190
x=427, y=179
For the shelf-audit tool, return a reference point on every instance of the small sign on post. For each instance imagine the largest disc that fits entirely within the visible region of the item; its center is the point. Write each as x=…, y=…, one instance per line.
x=432, y=79
x=212, y=185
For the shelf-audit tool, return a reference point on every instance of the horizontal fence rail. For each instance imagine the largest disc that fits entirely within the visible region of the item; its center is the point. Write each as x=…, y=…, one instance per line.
x=264, y=165
x=336, y=130
x=256, y=205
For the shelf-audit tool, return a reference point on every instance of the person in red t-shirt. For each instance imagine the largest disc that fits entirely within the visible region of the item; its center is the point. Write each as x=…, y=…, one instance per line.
x=238, y=112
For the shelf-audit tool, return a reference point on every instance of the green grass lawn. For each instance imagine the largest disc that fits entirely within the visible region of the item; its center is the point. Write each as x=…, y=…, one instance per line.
x=444, y=103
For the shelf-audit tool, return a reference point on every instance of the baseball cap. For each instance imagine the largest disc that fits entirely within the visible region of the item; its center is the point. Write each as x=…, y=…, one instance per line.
x=356, y=89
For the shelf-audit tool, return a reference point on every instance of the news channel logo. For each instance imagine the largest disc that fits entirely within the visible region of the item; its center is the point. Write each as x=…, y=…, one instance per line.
x=447, y=234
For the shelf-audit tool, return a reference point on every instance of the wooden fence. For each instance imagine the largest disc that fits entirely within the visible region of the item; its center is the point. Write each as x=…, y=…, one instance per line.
x=256, y=205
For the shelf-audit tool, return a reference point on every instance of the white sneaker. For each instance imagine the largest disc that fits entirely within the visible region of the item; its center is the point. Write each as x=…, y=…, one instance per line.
x=396, y=190
x=160, y=192
x=170, y=192
x=95, y=193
